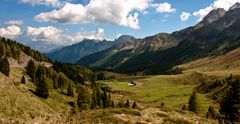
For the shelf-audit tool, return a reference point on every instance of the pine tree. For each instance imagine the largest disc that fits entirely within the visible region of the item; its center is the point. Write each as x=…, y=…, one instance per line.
x=2, y=49
x=70, y=90
x=42, y=88
x=230, y=104
x=94, y=99
x=105, y=98
x=4, y=68
x=113, y=104
x=127, y=104
x=23, y=80
x=31, y=70
x=134, y=105
x=41, y=72
x=192, y=103
x=99, y=95
x=84, y=98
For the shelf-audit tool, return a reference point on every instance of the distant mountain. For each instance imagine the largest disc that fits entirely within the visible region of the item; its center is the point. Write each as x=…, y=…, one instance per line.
x=216, y=34
x=70, y=54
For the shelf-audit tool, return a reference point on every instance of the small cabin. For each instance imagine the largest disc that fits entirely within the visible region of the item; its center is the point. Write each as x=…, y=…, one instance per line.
x=132, y=83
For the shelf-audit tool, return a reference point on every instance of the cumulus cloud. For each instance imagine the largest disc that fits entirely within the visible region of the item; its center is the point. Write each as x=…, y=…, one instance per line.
x=54, y=3
x=225, y=4
x=164, y=8
x=53, y=35
x=185, y=16
x=10, y=31
x=117, y=12
x=14, y=22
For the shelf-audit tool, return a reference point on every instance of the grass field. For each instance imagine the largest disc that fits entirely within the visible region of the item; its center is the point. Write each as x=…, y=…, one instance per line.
x=173, y=91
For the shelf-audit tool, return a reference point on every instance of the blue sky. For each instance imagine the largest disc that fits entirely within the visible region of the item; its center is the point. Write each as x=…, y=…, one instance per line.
x=64, y=22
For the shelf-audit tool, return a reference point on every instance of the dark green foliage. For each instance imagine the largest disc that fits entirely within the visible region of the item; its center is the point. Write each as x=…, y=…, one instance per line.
x=98, y=96
x=31, y=70
x=134, y=105
x=4, y=68
x=76, y=73
x=113, y=104
x=84, y=98
x=101, y=76
x=127, y=104
x=70, y=90
x=62, y=81
x=41, y=71
x=106, y=98
x=23, y=80
x=120, y=104
x=212, y=113
x=230, y=104
x=192, y=103
x=2, y=50
x=13, y=49
x=42, y=88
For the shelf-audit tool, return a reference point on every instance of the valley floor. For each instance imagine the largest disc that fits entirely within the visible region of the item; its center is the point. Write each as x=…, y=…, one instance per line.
x=160, y=100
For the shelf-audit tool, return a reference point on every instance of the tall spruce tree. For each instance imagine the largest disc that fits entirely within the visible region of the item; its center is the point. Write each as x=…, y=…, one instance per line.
x=31, y=70
x=70, y=90
x=84, y=98
x=230, y=104
x=42, y=88
x=5, y=66
x=23, y=80
x=192, y=103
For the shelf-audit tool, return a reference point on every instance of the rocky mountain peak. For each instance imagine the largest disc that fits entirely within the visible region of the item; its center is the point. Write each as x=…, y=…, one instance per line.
x=235, y=6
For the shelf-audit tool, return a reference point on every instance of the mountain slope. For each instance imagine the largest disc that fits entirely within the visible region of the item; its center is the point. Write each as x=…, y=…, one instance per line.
x=70, y=54
x=218, y=33
x=130, y=51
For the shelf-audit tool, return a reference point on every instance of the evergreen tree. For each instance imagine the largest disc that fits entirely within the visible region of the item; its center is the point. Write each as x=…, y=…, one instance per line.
x=105, y=98
x=113, y=104
x=230, y=104
x=2, y=49
x=192, y=103
x=41, y=72
x=127, y=104
x=23, y=80
x=99, y=95
x=31, y=70
x=42, y=88
x=70, y=90
x=62, y=81
x=120, y=104
x=94, y=99
x=4, y=68
x=134, y=105
x=84, y=98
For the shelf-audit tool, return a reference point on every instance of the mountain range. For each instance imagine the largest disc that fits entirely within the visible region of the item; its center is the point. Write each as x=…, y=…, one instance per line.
x=70, y=54
x=216, y=34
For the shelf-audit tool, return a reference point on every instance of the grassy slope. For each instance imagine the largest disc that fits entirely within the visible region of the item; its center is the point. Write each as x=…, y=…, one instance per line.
x=228, y=62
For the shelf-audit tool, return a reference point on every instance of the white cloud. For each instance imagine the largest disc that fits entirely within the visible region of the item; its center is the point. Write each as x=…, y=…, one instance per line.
x=14, y=22
x=185, y=16
x=225, y=4
x=54, y=3
x=10, y=31
x=53, y=35
x=117, y=12
x=164, y=8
